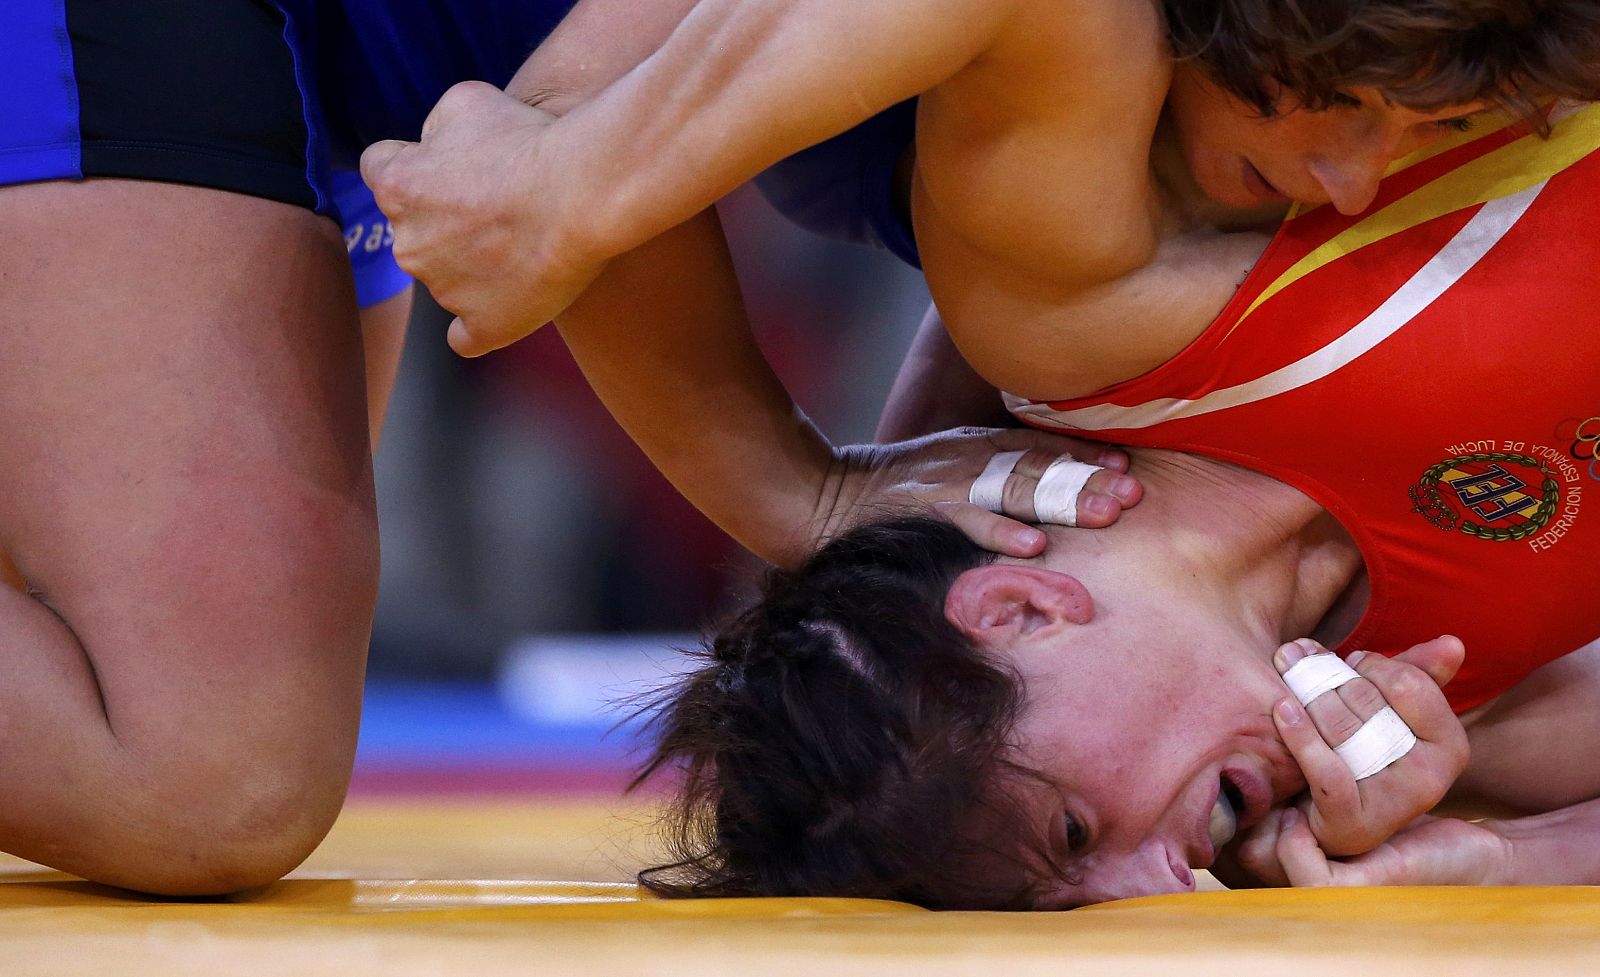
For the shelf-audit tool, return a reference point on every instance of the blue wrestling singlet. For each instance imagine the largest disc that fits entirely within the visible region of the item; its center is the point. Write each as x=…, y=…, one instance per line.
x=271, y=97
x=213, y=93
x=845, y=188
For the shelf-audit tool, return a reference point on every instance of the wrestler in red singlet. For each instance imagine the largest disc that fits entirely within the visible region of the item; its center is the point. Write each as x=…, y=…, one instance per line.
x=1430, y=372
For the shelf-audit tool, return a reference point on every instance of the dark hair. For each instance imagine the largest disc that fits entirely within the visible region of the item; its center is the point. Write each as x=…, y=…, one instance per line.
x=842, y=737
x=1424, y=54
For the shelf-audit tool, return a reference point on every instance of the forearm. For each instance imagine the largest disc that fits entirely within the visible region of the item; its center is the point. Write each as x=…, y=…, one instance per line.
x=663, y=339
x=936, y=389
x=1561, y=847
x=662, y=335
x=741, y=84
x=594, y=45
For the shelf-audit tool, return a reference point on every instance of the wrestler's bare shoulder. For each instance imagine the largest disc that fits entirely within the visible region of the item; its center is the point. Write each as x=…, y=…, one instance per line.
x=1036, y=205
x=1036, y=154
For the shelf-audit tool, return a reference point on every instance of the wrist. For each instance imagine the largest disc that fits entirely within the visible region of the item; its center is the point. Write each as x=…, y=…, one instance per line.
x=579, y=226
x=801, y=503
x=597, y=186
x=1500, y=860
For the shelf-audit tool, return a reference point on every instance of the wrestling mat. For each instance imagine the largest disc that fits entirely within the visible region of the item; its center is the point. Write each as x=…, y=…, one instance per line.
x=421, y=886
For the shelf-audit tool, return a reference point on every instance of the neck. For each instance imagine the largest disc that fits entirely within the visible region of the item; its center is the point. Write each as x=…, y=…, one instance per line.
x=1257, y=555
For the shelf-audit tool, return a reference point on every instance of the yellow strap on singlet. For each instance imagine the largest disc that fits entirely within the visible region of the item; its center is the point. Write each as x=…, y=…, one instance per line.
x=1510, y=169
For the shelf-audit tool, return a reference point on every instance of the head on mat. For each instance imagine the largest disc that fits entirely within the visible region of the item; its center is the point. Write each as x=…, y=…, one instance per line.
x=908, y=716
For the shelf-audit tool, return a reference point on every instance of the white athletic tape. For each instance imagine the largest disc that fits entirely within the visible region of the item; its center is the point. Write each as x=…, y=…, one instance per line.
x=1380, y=741
x=1313, y=675
x=1055, y=498
x=989, y=489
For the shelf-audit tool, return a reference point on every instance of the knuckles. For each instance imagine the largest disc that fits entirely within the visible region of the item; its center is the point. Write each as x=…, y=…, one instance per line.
x=1363, y=698
x=385, y=174
x=1340, y=726
x=1410, y=685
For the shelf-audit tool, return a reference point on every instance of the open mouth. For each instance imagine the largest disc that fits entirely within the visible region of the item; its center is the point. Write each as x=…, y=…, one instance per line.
x=1224, y=822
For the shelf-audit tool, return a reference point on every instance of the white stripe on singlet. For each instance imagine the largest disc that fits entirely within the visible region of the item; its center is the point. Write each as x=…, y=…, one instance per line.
x=1455, y=259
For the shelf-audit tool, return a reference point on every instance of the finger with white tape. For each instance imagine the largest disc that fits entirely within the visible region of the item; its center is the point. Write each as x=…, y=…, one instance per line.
x=1055, y=498
x=1313, y=675
x=988, y=489
x=1380, y=741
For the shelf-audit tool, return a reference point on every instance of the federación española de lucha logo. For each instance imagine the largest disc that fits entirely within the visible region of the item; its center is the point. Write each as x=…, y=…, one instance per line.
x=1503, y=492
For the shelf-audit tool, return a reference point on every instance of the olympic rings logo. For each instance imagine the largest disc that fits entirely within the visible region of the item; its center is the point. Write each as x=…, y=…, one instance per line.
x=1586, y=445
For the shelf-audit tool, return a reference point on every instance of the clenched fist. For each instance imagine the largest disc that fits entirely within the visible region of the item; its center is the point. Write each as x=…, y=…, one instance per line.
x=482, y=215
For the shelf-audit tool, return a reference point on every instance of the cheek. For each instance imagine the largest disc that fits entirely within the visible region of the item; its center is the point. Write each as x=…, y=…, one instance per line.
x=1208, y=160
x=1204, y=138
x=1152, y=723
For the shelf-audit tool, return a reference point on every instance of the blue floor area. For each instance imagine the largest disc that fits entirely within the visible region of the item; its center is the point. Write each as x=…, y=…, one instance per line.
x=454, y=723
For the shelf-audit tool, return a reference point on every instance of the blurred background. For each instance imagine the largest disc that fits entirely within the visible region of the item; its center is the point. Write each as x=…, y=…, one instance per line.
x=536, y=569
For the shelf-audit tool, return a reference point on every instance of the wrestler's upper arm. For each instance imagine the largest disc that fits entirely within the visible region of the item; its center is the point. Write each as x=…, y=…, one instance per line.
x=600, y=40
x=1533, y=749
x=736, y=86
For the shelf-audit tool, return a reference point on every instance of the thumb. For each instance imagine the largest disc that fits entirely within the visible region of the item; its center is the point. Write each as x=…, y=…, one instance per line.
x=1441, y=658
x=378, y=159
x=470, y=342
x=461, y=340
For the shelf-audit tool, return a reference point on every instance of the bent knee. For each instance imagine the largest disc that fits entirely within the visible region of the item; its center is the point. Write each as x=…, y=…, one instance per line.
x=230, y=836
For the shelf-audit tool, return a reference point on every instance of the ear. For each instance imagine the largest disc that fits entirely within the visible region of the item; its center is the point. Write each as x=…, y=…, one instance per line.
x=1003, y=600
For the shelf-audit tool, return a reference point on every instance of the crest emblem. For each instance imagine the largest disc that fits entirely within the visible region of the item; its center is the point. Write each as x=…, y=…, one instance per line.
x=1493, y=495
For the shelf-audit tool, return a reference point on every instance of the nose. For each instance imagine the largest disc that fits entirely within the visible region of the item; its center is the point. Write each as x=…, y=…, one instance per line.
x=1350, y=182
x=1349, y=172
x=1152, y=869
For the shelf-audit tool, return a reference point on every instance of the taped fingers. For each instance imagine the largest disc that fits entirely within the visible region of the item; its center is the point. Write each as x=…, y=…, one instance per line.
x=988, y=489
x=1015, y=483
x=1055, y=497
x=1047, y=488
x=1417, y=698
x=1022, y=488
x=1380, y=741
x=1339, y=715
x=1348, y=712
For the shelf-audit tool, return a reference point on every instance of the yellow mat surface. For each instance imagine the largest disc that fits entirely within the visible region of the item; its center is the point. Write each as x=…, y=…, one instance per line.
x=408, y=888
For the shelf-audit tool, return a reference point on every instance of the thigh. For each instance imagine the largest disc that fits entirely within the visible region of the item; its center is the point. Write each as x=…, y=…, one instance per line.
x=185, y=484
x=185, y=477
